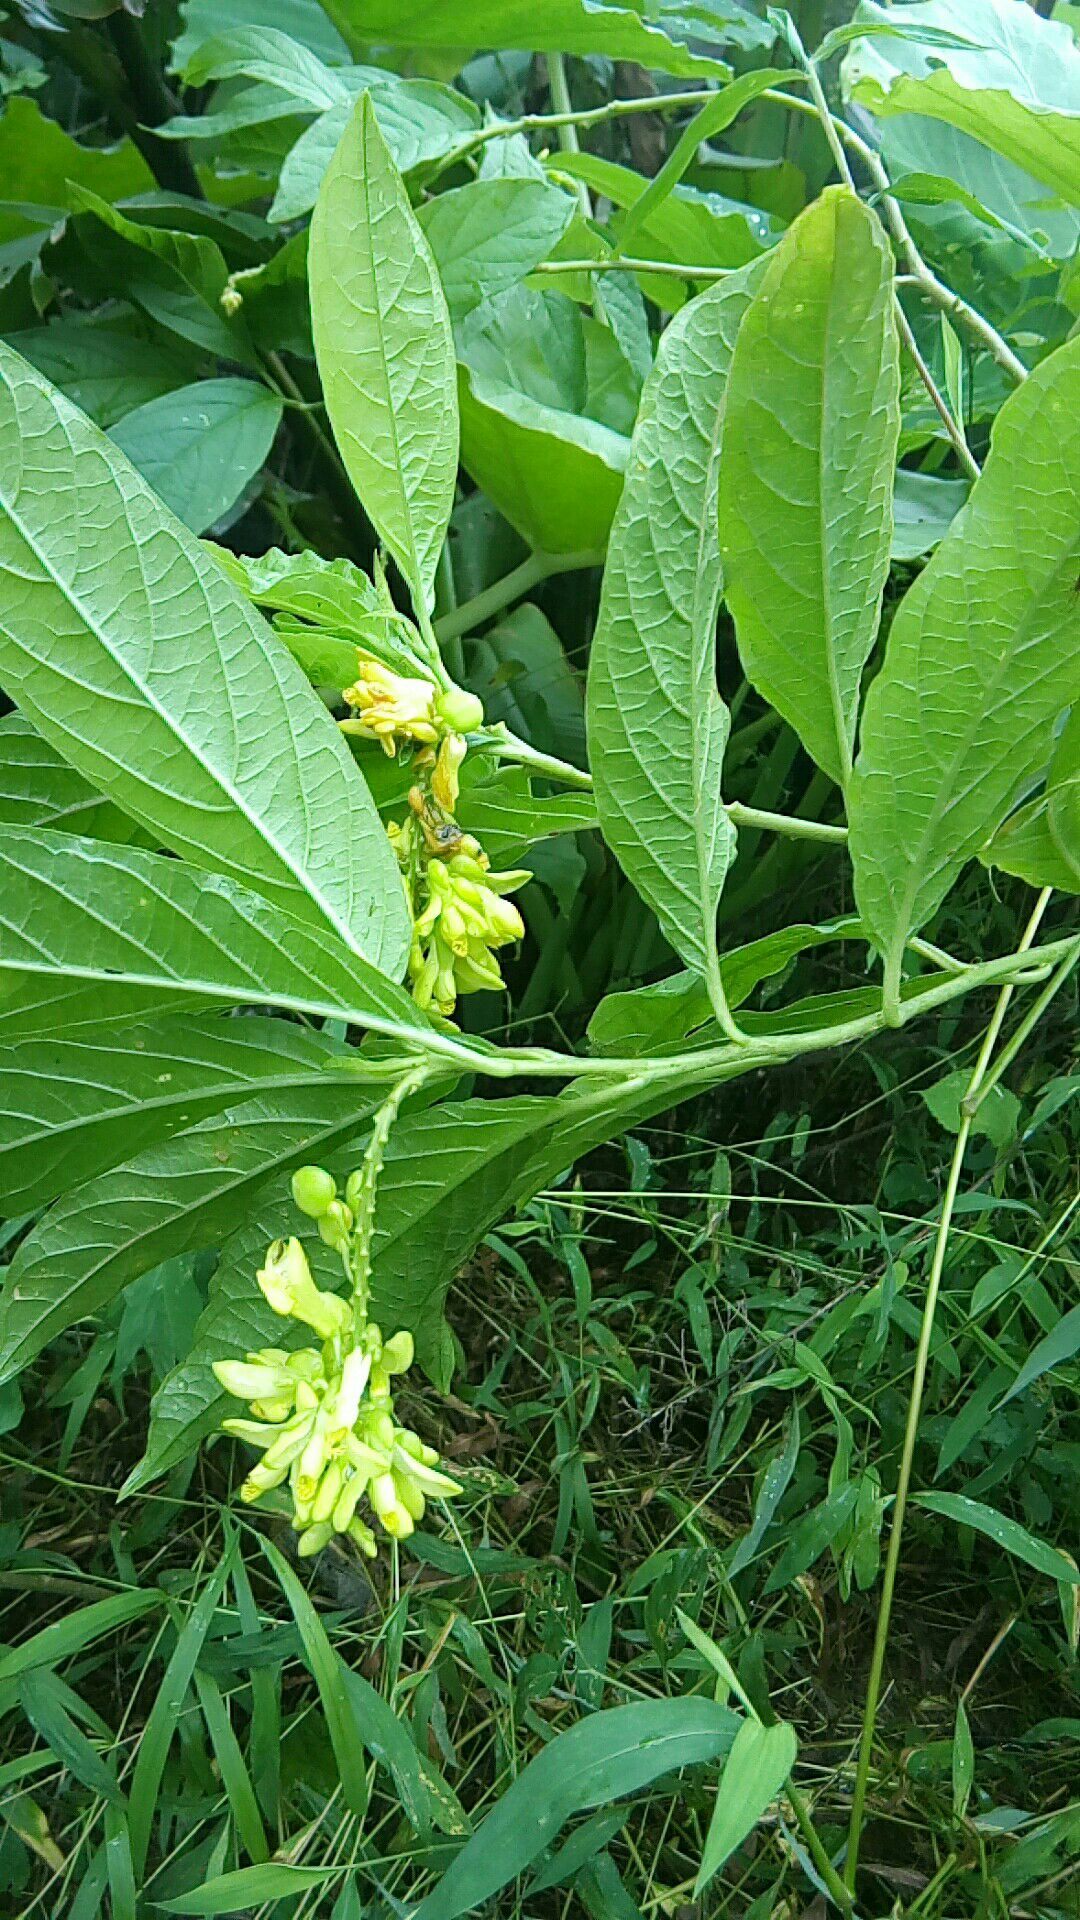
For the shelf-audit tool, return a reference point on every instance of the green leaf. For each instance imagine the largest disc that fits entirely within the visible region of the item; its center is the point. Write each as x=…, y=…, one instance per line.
x=177, y=278
x=277, y=59
x=662, y=1018
x=487, y=236
x=248, y=1887
x=103, y=370
x=131, y=632
x=176, y=1196
x=79, y=1630
x=1004, y=1532
x=303, y=20
x=556, y=476
x=1063, y=797
x=963, y=1762
x=618, y=1751
x=998, y=1115
x=37, y=786
x=73, y=1105
x=559, y=26
x=1025, y=846
x=329, y=1673
x=86, y=910
x=157, y=1734
x=1059, y=1346
x=420, y=120
x=1016, y=90
x=982, y=652
x=924, y=508
x=813, y=422
x=385, y=351
x=200, y=446
x=657, y=726
x=756, y=1769
x=39, y=164
x=718, y=113
x=507, y=817
x=42, y=1701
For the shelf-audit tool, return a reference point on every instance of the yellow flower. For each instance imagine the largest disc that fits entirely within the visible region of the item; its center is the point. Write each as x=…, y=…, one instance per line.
x=289, y=1289
x=390, y=707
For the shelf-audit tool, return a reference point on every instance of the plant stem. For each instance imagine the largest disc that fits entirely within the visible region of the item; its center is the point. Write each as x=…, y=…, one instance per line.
x=359, y=1260
x=918, y=1385
x=506, y=746
x=785, y=823
x=815, y=1846
x=626, y=263
x=567, y=127
x=338, y=484
x=959, y=444
x=972, y=1102
x=513, y=586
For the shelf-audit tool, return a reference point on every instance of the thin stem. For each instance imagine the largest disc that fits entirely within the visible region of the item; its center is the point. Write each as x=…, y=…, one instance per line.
x=785, y=823
x=364, y=1189
x=506, y=746
x=959, y=444
x=816, y=1848
x=338, y=484
x=918, y=1385
x=513, y=586
x=567, y=127
x=1034, y=1014
x=626, y=263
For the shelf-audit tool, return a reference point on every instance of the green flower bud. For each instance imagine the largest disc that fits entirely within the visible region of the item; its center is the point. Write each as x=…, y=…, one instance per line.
x=398, y=1353
x=364, y=1539
x=329, y=1487
x=255, y=1380
x=336, y=1225
x=313, y=1189
x=460, y=710
x=355, y=1190
x=410, y=1496
x=260, y=1480
x=347, y=1500
x=314, y=1539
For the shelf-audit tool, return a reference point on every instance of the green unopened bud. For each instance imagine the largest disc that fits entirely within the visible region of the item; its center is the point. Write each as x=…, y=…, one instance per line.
x=314, y=1539
x=460, y=710
x=356, y=1190
x=260, y=1480
x=329, y=1487
x=336, y=1225
x=416, y=1468
x=254, y=1380
x=313, y=1189
x=364, y=1538
x=347, y=1500
x=410, y=1496
x=398, y=1353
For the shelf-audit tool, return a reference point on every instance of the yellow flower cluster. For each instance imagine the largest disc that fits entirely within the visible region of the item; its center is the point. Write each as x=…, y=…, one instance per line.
x=390, y=707
x=464, y=919
x=323, y=1417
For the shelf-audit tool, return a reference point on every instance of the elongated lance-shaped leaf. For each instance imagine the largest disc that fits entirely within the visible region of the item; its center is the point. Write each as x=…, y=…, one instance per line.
x=983, y=654
x=130, y=651
x=385, y=350
x=179, y=1195
x=72, y=908
x=72, y=1105
x=813, y=419
x=657, y=726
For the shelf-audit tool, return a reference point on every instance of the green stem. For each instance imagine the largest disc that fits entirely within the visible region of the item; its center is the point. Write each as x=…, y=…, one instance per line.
x=338, y=484
x=506, y=746
x=513, y=586
x=785, y=823
x=628, y=263
x=1034, y=1014
x=816, y=1848
x=363, y=1197
x=918, y=1386
x=567, y=128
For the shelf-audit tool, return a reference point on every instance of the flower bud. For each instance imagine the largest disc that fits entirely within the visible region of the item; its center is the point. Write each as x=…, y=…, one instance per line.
x=254, y=1380
x=410, y=1496
x=460, y=710
x=328, y=1489
x=398, y=1353
x=364, y=1539
x=260, y=1480
x=336, y=1225
x=354, y=1378
x=313, y=1189
x=314, y=1539
x=355, y=1190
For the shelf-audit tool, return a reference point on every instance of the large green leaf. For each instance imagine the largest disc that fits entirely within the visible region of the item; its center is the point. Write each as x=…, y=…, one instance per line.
x=558, y=26
x=615, y=1752
x=981, y=659
x=105, y=370
x=200, y=446
x=72, y=1106
x=813, y=421
x=1063, y=794
x=304, y=20
x=385, y=350
x=1040, y=842
x=420, y=120
x=178, y=1195
x=37, y=786
x=77, y=909
x=657, y=726
x=1017, y=88
x=178, y=278
x=134, y=656
x=488, y=235
x=39, y=164
x=556, y=476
